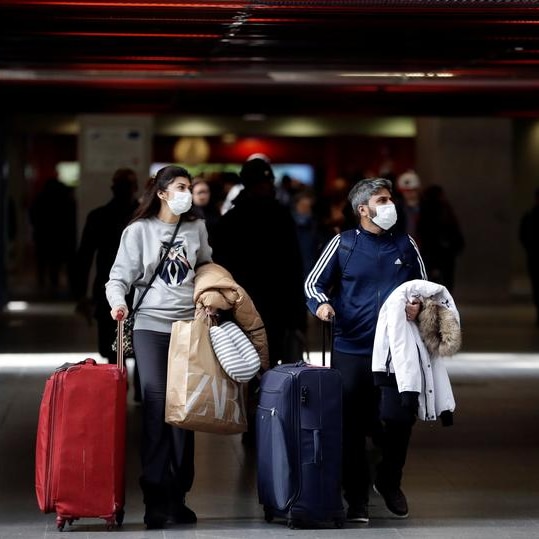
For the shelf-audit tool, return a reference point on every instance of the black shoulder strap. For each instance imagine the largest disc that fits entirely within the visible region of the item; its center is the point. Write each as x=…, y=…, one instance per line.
x=346, y=246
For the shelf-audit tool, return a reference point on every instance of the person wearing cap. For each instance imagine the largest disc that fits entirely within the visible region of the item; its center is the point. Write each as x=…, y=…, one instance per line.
x=256, y=241
x=409, y=186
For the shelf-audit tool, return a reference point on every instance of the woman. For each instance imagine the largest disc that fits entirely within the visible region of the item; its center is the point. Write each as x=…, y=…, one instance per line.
x=167, y=452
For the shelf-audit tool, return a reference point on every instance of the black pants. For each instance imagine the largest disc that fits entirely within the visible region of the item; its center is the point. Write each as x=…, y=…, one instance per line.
x=361, y=419
x=167, y=452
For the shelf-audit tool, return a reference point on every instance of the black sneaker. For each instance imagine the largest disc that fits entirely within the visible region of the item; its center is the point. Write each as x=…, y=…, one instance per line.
x=154, y=519
x=181, y=514
x=358, y=513
x=395, y=500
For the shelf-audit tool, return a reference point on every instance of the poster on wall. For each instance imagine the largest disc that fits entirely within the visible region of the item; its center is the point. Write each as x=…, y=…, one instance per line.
x=108, y=147
x=106, y=143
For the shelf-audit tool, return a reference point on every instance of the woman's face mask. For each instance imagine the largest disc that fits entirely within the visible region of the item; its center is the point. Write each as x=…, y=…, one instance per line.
x=181, y=202
x=385, y=216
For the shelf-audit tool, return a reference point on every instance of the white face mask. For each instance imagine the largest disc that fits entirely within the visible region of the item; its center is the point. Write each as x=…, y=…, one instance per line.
x=181, y=202
x=386, y=216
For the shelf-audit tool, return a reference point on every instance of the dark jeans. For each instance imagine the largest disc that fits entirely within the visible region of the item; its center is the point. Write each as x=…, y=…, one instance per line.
x=361, y=419
x=167, y=452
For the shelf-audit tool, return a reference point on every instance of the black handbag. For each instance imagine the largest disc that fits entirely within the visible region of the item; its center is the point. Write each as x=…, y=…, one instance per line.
x=129, y=322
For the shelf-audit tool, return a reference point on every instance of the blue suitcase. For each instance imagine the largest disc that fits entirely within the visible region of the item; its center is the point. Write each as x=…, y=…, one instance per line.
x=299, y=445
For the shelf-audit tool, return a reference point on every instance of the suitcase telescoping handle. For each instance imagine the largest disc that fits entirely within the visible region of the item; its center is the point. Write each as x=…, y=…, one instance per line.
x=120, y=345
x=327, y=337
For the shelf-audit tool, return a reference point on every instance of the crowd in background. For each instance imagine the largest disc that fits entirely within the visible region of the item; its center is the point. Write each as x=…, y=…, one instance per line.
x=424, y=212
x=318, y=214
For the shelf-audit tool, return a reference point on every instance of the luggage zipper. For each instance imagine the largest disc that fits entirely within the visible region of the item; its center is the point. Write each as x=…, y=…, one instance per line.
x=272, y=411
x=424, y=384
x=50, y=449
x=297, y=422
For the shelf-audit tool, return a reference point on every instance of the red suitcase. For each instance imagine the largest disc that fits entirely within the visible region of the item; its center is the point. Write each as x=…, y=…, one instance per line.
x=80, y=446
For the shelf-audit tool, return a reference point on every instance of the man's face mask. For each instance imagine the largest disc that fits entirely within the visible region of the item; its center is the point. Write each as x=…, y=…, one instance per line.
x=385, y=216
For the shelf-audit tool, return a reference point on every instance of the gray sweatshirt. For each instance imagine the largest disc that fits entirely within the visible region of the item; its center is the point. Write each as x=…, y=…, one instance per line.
x=170, y=297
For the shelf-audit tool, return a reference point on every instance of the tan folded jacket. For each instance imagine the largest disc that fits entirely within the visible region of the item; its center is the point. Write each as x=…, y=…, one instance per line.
x=215, y=287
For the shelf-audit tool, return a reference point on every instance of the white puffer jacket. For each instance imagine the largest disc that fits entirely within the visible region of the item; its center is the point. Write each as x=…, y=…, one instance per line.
x=400, y=346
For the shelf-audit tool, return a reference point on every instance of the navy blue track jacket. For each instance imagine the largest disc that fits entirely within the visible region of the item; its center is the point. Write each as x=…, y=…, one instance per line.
x=357, y=279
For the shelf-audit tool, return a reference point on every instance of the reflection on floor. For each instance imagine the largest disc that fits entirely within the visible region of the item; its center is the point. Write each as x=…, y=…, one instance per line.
x=477, y=479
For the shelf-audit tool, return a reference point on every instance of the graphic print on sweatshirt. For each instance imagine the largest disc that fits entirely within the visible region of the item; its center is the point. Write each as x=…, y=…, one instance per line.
x=176, y=265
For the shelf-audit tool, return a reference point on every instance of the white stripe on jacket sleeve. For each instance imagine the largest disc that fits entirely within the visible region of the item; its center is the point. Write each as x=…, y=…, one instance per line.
x=311, y=280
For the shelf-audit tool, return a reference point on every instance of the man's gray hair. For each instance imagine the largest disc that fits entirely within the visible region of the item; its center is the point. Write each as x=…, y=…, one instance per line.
x=361, y=193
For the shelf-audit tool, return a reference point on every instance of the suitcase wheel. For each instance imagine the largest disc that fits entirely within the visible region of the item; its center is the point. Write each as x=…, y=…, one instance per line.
x=115, y=520
x=268, y=514
x=294, y=523
x=61, y=522
x=339, y=523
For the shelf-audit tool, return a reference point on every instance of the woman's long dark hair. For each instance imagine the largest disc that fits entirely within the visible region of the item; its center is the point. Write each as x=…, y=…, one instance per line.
x=151, y=204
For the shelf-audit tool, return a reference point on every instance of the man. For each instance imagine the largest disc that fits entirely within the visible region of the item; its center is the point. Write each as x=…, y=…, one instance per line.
x=256, y=241
x=100, y=240
x=352, y=278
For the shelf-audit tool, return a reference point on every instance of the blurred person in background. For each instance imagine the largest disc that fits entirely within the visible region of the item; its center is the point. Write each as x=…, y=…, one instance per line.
x=529, y=238
x=285, y=191
x=409, y=188
x=309, y=233
x=439, y=236
x=203, y=203
x=335, y=215
x=53, y=216
x=99, y=244
x=232, y=187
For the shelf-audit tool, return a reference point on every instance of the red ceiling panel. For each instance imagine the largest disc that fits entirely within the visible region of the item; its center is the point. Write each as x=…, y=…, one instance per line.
x=232, y=56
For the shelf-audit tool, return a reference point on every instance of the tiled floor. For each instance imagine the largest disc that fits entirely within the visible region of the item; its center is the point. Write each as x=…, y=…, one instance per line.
x=477, y=479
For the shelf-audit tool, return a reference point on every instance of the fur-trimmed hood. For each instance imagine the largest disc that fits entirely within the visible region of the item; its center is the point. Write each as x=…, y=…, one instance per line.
x=215, y=287
x=439, y=327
